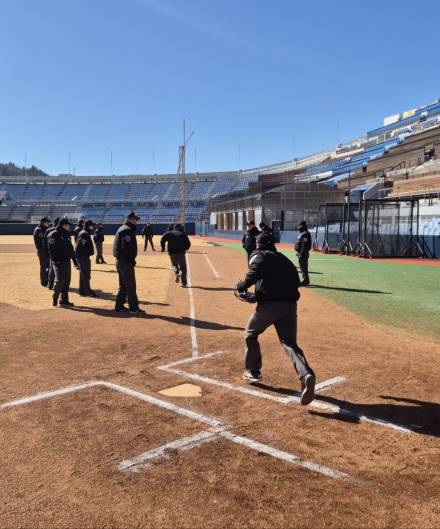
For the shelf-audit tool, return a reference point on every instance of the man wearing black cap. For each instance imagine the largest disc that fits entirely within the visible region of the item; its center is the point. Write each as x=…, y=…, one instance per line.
x=125, y=251
x=83, y=251
x=302, y=247
x=39, y=232
x=61, y=253
x=98, y=239
x=51, y=273
x=77, y=229
x=178, y=244
x=249, y=238
x=276, y=283
x=147, y=235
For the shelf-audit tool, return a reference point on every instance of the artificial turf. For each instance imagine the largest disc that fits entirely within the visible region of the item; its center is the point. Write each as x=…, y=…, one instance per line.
x=399, y=294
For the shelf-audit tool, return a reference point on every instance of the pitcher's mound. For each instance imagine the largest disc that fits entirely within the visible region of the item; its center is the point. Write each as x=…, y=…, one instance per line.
x=183, y=390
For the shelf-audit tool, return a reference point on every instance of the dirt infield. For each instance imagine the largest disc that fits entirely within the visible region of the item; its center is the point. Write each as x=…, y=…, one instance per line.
x=365, y=455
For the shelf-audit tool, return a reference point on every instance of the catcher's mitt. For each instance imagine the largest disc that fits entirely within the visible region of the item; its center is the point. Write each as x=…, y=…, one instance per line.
x=246, y=297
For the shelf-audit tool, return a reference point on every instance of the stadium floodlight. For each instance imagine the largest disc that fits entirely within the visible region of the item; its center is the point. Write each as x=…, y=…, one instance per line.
x=181, y=173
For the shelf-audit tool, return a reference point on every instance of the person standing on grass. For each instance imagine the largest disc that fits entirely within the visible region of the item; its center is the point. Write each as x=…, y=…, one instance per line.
x=83, y=251
x=302, y=247
x=39, y=232
x=98, y=239
x=125, y=251
x=147, y=235
x=178, y=244
x=276, y=283
x=61, y=253
x=51, y=272
x=248, y=241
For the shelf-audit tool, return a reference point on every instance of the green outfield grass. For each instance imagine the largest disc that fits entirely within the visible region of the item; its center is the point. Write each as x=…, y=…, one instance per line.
x=402, y=295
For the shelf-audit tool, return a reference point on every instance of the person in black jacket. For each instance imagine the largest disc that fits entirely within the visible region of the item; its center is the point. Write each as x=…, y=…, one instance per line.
x=83, y=251
x=147, y=235
x=178, y=244
x=77, y=229
x=39, y=232
x=249, y=238
x=51, y=272
x=98, y=239
x=302, y=247
x=61, y=253
x=276, y=283
x=125, y=251
x=264, y=228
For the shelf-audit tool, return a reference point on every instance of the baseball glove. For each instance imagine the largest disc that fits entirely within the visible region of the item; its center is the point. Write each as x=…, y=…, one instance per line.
x=246, y=297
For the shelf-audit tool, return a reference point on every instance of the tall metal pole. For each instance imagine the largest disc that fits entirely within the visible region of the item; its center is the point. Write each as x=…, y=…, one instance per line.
x=111, y=162
x=69, y=163
x=25, y=163
x=154, y=162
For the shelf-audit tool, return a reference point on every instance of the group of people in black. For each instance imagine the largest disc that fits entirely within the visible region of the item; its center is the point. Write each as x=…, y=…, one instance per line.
x=56, y=253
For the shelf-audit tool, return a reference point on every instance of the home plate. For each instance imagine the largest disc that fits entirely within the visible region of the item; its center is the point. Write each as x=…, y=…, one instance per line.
x=183, y=390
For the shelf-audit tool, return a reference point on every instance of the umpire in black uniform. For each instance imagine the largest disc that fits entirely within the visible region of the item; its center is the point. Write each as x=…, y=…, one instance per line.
x=77, y=229
x=178, y=244
x=51, y=272
x=39, y=232
x=276, y=283
x=83, y=251
x=98, y=239
x=125, y=251
x=302, y=247
x=61, y=253
x=248, y=241
x=147, y=235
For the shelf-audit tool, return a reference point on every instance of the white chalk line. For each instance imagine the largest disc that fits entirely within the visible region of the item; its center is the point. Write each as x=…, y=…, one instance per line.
x=214, y=271
x=218, y=429
x=192, y=312
x=317, y=404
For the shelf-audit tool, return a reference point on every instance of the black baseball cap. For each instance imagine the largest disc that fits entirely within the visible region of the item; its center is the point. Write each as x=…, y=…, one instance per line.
x=250, y=222
x=265, y=240
x=44, y=219
x=63, y=221
x=132, y=215
x=88, y=223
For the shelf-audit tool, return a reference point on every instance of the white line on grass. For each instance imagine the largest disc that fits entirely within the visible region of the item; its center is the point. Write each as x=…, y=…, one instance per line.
x=192, y=312
x=214, y=271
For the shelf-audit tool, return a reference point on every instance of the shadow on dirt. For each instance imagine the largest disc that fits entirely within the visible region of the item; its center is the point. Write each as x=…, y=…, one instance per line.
x=419, y=416
x=344, y=289
x=108, y=296
x=216, y=289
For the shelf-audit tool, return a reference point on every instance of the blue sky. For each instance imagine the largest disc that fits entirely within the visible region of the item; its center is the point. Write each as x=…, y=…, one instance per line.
x=280, y=78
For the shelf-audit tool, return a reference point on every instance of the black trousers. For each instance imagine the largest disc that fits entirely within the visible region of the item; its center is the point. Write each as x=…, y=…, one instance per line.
x=51, y=275
x=148, y=240
x=85, y=273
x=127, y=284
x=63, y=273
x=282, y=315
x=99, y=256
x=178, y=262
x=303, y=261
x=44, y=267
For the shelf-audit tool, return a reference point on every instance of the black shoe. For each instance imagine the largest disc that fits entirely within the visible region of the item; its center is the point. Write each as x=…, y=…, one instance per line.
x=304, y=283
x=136, y=311
x=177, y=278
x=50, y=287
x=307, y=389
x=66, y=304
x=54, y=300
x=44, y=284
x=122, y=308
x=104, y=262
x=93, y=294
x=83, y=294
x=252, y=376
x=184, y=285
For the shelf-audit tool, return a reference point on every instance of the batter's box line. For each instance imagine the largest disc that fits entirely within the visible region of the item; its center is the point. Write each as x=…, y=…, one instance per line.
x=217, y=429
x=316, y=404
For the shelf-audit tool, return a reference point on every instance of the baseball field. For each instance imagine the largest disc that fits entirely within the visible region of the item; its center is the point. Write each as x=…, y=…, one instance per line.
x=112, y=420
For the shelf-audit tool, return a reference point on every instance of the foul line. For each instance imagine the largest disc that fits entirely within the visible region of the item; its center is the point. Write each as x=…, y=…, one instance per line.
x=218, y=428
x=192, y=312
x=214, y=271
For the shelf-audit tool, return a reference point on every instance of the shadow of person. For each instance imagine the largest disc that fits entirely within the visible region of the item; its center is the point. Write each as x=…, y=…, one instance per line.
x=419, y=416
x=104, y=271
x=217, y=289
x=100, y=294
x=345, y=289
x=105, y=313
x=199, y=324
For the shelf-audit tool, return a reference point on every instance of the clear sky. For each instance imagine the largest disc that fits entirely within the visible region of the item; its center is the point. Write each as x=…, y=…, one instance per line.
x=280, y=78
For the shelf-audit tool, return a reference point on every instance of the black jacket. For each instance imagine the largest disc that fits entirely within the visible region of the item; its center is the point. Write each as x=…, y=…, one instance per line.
x=178, y=241
x=76, y=232
x=39, y=237
x=84, y=244
x=60, y=247
x=125, y=243
x=99, y=235
x=148, y=232
x=46, y=238
x=303, y=243
x=249, y=242
x=275, y=277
